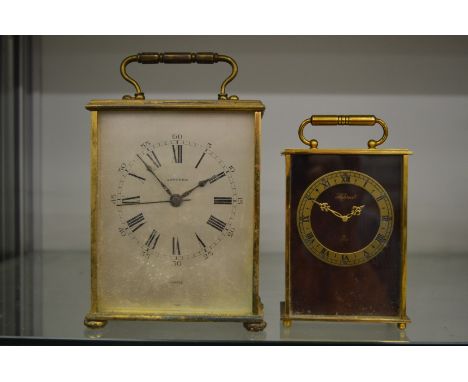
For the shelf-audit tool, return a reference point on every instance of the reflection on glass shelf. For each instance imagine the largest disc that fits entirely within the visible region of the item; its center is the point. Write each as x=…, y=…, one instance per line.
x=437, y=305
x=174, y=331
x=343, y=332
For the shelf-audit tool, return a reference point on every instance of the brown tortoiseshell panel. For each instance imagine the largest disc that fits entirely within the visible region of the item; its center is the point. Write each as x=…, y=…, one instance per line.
x=370, y=289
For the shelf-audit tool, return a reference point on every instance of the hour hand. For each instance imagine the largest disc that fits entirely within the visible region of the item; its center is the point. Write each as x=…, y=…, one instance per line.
x=148, y=167
x=201, y=183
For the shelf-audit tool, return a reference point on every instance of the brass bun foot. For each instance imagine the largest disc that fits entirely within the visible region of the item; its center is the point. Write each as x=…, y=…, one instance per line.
x=287, y=323
x=402, y=325
x=257, y=326
x=94, y=324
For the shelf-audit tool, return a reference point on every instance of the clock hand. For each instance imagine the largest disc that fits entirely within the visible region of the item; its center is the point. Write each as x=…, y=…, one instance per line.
x=201, y=183
x=154, y=174
x=356, y=211
x=159, y=201
x=326, y=208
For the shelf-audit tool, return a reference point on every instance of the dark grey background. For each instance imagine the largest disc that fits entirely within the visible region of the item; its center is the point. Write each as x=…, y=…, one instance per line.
x=418, y=85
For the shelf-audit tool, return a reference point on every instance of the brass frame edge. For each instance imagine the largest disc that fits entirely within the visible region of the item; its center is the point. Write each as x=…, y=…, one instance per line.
x=257, y=305
x=209, y=105
x=404, y=234
x=285, y=305
x=368, y=319
x=173, y=317
x=347, y=151
x=94, y=201
x=288, y=236
x=332, y=318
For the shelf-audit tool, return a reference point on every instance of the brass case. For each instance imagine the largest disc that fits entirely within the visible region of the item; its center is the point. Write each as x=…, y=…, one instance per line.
x=95, y=318
x=287, y=313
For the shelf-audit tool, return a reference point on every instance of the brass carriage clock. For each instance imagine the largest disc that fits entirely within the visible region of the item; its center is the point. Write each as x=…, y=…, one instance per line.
x=346, y=230
x=175, y=205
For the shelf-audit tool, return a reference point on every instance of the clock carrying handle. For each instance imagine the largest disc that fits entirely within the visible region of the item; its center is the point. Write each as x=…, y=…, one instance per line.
x=343, y=120
x=178, y=58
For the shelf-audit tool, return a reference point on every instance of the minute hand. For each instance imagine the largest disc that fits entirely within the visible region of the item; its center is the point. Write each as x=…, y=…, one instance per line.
x=157, y=178
x=138, y=203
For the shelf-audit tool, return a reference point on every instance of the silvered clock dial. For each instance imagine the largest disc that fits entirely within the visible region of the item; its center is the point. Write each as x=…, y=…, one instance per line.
x=175, y=232
x=177, y=199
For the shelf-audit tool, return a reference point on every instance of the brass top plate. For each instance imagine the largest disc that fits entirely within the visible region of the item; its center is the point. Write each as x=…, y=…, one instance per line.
x=227, y=105
x=347, y=151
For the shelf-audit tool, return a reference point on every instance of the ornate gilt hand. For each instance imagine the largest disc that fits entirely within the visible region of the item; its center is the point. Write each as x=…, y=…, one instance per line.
x=356, y=211
x=326, y=208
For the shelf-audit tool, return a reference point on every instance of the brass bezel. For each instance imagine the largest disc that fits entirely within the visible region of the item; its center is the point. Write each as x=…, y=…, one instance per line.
x=96, y=319
x=402, y=319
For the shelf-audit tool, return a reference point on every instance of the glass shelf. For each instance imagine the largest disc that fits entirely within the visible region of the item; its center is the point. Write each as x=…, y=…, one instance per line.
x=437, y=305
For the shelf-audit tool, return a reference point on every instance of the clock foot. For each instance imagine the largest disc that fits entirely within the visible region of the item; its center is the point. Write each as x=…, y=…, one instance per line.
x=257, y=326
x=287, y=323
x=402, y=325
x=94, y=324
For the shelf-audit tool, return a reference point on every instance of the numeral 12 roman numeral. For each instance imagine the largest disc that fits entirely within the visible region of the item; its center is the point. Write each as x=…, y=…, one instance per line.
x=345, y=177
x=177, y=153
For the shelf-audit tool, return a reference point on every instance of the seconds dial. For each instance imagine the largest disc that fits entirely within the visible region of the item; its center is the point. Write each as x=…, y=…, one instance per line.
x=177, y=199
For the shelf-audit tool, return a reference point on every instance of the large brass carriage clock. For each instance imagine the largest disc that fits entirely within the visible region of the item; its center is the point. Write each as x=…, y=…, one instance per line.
x=346, y=230
x=175, y=205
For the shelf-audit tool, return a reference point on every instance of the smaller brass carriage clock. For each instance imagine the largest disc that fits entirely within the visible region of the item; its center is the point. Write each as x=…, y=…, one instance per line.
x=175, y=204
x=346, y=213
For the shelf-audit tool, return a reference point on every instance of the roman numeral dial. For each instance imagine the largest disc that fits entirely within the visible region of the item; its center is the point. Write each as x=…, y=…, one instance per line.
x=345, y=218
x=178, y=199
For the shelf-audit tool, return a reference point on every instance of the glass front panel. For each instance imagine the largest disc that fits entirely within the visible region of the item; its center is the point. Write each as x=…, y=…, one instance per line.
x=346, y=234
x=175, y=212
